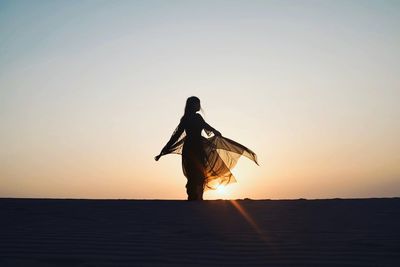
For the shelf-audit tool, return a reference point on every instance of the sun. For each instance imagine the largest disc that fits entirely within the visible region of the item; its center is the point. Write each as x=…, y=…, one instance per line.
x=221, y=189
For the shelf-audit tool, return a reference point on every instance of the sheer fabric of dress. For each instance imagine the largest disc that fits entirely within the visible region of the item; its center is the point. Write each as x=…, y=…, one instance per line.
x=208, y=160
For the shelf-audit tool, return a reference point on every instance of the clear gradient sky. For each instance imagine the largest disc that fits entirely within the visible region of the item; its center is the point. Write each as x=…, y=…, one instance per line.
x=90, y=91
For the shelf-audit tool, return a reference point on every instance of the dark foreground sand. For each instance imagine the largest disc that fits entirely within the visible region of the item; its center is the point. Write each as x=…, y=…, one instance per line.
x=161, y=233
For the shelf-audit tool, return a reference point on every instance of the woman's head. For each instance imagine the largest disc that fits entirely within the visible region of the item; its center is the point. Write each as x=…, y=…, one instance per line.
x=192, y=105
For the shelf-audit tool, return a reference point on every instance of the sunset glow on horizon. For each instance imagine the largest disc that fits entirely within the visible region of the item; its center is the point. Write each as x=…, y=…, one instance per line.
x=90, y=91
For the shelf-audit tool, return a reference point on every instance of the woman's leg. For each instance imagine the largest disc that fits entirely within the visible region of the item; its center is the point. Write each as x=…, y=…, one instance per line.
x=195, y=189
x=193, y=167
x=200, y=190
x=191, y=190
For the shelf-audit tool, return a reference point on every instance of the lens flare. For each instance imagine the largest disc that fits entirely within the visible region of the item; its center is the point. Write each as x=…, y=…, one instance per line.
x=249, y=219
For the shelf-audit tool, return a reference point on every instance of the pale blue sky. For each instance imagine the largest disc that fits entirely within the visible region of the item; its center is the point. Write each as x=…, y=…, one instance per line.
x=91, y=90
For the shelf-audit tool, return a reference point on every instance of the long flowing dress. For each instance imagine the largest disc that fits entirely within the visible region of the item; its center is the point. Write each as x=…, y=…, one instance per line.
x=206, y=161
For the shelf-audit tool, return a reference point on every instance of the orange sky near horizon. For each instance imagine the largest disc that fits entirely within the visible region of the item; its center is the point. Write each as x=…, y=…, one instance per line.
x=91, y=91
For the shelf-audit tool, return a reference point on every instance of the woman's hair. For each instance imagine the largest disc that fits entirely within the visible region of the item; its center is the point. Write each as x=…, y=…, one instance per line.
x=192, y=105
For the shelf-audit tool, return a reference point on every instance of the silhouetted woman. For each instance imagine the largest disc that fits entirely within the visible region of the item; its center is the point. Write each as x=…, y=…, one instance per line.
x=206, y=162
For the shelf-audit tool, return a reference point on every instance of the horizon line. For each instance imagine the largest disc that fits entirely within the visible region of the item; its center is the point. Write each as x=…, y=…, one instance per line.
x=157, y=199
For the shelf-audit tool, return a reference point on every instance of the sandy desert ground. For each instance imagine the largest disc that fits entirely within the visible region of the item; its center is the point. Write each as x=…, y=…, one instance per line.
x=337, y=232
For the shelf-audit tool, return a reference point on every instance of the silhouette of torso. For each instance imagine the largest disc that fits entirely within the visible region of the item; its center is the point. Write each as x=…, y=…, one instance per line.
x=193, y=155
x=193, y=125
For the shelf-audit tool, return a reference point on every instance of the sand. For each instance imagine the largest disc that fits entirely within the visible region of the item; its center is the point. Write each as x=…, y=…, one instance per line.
x=339, y=232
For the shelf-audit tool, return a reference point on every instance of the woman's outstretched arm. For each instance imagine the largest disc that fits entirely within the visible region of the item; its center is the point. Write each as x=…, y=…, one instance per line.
x=208, y=127
x=175, y=136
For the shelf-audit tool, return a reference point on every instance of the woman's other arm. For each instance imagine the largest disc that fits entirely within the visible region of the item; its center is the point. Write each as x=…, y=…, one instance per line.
x=208, y=127
x=175, y=136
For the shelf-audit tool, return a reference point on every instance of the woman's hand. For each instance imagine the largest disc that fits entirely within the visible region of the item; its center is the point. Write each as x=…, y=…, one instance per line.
x=157, y=157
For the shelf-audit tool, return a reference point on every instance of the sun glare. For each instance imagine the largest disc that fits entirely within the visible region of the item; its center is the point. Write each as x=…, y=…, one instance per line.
x=221, y=189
